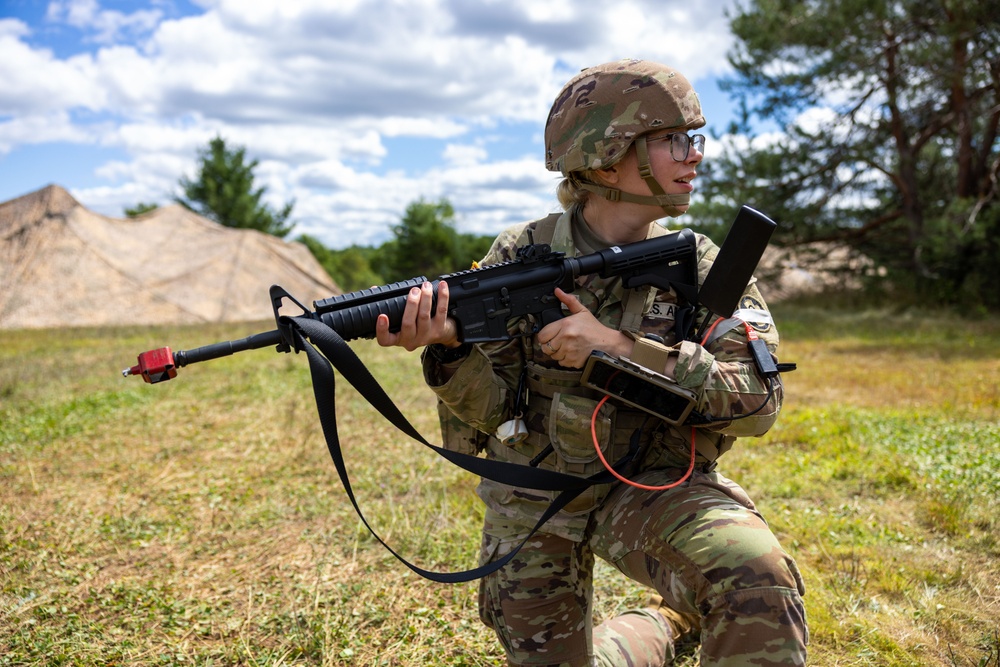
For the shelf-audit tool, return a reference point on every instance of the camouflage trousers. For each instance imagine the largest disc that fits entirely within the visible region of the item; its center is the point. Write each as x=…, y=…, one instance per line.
x=702, y=546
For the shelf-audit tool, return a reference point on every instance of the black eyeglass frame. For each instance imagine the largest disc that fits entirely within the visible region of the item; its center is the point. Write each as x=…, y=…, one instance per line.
x=680, y=144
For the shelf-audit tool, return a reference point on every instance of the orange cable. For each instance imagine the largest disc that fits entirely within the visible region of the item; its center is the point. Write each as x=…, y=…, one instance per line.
x=597, y=446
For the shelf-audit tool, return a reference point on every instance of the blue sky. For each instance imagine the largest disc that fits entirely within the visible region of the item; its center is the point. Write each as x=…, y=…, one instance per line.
x=354, y=108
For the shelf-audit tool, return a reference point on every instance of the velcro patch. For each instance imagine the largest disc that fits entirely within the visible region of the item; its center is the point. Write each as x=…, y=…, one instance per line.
x=662, y=311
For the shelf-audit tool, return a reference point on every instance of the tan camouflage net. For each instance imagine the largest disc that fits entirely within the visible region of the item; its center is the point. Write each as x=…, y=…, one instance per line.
x=63, y=265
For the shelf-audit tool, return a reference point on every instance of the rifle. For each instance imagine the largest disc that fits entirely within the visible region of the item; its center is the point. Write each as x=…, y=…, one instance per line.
x=483, y=301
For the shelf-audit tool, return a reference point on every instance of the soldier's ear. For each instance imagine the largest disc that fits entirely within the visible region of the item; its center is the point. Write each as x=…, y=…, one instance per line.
x=609, y=176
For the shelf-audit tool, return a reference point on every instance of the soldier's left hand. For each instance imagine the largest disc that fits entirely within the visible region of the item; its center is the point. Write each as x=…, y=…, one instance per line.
x=422, y=323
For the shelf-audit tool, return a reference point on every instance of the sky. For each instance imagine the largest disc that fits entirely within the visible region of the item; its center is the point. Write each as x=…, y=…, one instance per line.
x=353, y=108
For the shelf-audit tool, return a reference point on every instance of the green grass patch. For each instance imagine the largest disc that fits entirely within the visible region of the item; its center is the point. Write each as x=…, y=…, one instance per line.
x=201, y=522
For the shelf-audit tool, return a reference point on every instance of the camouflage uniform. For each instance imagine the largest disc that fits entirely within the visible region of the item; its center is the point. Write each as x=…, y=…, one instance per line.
x=702, y=546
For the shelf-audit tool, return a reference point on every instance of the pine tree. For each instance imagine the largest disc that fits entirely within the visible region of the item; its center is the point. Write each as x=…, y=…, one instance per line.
x=425, y=242
x=889, y=111
x=224, y=191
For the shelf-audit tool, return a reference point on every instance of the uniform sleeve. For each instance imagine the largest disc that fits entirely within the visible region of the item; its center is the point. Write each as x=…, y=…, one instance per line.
x=723, y=372
x=473, y=390
x=478, y=389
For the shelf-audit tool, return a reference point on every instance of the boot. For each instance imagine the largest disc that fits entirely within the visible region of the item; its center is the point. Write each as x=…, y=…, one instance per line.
x=686, y=628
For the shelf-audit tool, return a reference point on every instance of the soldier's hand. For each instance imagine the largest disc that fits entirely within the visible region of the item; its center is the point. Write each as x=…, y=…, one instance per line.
x=422, y=323
x=571, y=339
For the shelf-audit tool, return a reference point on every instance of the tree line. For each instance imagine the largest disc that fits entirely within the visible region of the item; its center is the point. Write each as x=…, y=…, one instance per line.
x=886, y=117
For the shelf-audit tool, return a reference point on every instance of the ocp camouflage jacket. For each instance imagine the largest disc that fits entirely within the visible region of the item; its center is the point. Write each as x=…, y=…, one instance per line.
x=480, y=390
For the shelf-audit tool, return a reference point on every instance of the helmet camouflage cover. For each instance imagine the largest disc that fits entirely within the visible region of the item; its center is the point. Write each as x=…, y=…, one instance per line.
x=601, y=111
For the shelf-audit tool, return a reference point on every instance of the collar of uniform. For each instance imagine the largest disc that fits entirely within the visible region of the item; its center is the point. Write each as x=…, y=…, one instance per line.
x=562, y=235
x=574, y=237
x=584, y=237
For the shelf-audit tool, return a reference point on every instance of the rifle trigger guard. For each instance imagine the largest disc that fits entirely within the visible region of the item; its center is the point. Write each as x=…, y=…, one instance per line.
x=279, y=294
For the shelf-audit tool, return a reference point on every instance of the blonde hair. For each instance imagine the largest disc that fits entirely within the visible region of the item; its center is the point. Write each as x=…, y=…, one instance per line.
x=570, y=194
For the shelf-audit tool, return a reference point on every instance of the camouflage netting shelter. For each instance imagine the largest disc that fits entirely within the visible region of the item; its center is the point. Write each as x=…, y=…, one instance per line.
x=62, y=265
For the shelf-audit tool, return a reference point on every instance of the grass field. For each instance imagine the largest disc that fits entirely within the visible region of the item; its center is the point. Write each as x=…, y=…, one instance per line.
x=200, y=521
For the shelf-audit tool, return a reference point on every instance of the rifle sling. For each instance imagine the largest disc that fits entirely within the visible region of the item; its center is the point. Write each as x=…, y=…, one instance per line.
x=336, y=353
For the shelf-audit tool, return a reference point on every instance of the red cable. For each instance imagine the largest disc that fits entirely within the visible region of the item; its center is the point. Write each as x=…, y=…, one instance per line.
x=597, y=446
x=710, y=330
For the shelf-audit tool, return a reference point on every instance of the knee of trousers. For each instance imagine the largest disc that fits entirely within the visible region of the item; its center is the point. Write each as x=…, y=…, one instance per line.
x=768, y=568
x=749, y=599
x=720, y=562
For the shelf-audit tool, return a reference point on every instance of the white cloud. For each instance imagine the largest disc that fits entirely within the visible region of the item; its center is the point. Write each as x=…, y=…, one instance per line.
x=295, y=144
x=14, y=28
x=107, y=26
x=322, y=92
x=41, y=129
x=36, y=82
x=464, y=155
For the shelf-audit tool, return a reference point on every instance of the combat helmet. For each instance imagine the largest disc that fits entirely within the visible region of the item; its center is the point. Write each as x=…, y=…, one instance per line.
x=603, y=110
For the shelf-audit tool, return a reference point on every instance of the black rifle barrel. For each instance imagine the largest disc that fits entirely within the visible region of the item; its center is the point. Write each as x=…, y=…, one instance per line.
x=484, y=299
x=216, y=350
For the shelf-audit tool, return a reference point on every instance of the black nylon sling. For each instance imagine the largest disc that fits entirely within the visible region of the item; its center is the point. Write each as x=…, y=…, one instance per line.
x=337, y=353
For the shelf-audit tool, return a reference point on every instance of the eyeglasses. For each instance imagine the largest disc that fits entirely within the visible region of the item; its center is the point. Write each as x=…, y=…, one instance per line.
x=680, y=144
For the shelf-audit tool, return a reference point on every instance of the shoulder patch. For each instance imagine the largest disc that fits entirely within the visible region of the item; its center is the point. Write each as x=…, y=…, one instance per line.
x=752, y=311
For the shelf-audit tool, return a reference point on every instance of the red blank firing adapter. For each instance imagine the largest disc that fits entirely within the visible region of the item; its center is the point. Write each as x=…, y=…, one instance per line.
x=154, y=366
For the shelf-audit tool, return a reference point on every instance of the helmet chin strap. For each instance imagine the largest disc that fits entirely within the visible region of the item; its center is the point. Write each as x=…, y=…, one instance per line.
x=669, y=203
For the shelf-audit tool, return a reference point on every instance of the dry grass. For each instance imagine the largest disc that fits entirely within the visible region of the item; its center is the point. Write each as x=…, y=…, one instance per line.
x=201, y=522
x=883, y=476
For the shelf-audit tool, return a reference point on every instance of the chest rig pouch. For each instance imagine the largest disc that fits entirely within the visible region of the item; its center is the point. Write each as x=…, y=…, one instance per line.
x=558, y=413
